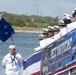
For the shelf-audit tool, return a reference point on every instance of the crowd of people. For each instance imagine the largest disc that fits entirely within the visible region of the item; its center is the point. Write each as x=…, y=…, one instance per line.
x=53, y=33
x=53, y=30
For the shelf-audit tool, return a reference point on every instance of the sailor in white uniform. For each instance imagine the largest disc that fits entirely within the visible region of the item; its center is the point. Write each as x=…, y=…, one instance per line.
x=61, y=24
x=43, y=42
x=74, y=15
x=41, y=37
x=12, y=62
x=49, y=40
x=50, y=31
x=45, y=33
x=72, y=26
x=67, y=20
x=56, y=29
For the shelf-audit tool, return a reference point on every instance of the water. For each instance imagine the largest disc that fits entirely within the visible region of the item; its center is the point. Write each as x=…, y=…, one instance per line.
x=24, y=42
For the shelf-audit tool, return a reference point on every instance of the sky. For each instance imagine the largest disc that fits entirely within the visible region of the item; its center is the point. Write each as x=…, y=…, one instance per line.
x=52, y=8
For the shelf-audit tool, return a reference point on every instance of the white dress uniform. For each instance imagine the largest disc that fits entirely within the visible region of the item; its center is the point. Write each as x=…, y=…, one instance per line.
x=12, y=64
x=63, y=31
x=71, y=26
x=46, y=42
x=67, y=29
x=43, y=43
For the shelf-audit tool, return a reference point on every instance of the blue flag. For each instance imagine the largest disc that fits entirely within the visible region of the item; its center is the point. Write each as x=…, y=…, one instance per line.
x=5, y=30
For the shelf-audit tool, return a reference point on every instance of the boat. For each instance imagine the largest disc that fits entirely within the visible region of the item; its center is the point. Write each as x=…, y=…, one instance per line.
x=59, y=57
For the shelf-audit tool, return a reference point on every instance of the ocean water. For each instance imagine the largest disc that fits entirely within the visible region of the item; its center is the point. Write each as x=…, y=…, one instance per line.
x=24, y=42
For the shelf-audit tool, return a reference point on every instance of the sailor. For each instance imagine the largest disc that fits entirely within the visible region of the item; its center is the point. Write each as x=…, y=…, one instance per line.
x=67, y=20
x=52, y=38
x=12, y=62
x=74, y=15
x=49, y=40
x=61, y=24
x=50, y=31
x=72, y=26
x=56, y=29
x=45, y=33
x=43, y=42
x=41, y=37
x=56, y=35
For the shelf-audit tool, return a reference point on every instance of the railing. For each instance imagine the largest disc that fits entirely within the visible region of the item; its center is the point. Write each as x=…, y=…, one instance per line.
x=59, y=60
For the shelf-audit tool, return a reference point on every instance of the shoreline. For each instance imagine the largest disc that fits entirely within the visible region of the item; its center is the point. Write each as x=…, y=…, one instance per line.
x=27, y=31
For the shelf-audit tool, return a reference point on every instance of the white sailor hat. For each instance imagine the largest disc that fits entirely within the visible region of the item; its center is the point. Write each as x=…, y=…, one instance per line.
x=41, y=36
x=50, y=27
x=67, y=16
x=45, y=30
x=55, y=26
x=61, y=22
x=74, y=10
x=12, y=46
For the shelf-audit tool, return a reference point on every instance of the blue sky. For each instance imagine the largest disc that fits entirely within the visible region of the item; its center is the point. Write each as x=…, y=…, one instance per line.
x=41, y=7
